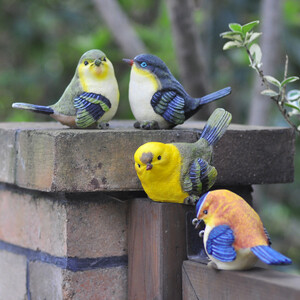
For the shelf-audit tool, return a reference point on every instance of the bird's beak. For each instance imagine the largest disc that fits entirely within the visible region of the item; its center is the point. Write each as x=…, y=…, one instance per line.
x=128, y=61
x=97, y=62
x=149, y=166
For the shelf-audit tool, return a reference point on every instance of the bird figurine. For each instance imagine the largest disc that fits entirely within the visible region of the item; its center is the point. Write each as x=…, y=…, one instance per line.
x=157, y=99
x=90, y=100
x=234, y=236
x=181, y=172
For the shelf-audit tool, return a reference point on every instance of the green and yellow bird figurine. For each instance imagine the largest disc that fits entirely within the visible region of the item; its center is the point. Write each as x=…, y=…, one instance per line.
x=181, y=172
x=90, y=100
x=157, y=99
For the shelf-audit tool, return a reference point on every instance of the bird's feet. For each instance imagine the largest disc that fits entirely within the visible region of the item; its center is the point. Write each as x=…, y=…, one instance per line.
x=191, y=200
x=212, y=265
x=103, y=125
x=201, y=233
x=146, y=125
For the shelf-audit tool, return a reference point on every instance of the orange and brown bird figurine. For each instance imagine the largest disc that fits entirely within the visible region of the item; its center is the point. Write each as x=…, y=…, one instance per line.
x=234, y=236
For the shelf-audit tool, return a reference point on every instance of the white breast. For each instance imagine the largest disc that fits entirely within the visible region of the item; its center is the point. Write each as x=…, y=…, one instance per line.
x=142, y=86
x=109, y=89
x=106, y=86
x=245, y=259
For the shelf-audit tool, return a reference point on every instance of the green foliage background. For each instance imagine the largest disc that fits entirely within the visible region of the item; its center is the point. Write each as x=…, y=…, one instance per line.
x=42, y=40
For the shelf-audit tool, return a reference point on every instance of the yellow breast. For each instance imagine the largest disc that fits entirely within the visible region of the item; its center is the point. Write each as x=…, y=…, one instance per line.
x=101, y=80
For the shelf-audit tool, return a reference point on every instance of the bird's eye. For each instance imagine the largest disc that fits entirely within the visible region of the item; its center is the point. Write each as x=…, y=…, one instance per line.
x=86, y=62
x=205, y=211
x=104, y=59
x=159, y=157
x=139, y=165
x=144, y=64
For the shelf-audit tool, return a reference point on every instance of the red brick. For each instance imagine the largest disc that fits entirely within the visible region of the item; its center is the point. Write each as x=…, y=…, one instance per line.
x=101, y=284
x=33, y=221
x=97, y=228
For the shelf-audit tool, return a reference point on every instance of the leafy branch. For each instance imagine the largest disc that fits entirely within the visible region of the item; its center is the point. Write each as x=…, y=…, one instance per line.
x=242, y=36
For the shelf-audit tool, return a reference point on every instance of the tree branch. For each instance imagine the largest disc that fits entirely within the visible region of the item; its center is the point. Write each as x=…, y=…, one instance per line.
x=120, y=27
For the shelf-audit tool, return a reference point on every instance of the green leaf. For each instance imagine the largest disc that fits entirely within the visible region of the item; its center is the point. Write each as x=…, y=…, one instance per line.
x=293, y=95
x=235, y=27
x=269, y=93
x=272, y=80
x=232, y=44
x=256, y=53
x=247, y=27
x=232, y=36
x=253, y=37
x=292, y=106
x=289, y=79
x=229, y=33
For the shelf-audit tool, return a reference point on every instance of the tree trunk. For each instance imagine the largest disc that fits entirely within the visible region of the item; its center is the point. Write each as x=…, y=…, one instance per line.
x=188, y=47
x=120, y=27
x=270, y=27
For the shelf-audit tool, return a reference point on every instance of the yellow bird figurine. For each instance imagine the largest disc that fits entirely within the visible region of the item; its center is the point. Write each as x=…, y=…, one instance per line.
x=181, y=172
x=234, y=236
x=90, y=100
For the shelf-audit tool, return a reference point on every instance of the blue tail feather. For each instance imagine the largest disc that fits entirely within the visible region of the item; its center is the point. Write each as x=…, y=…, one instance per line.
x=215, y=96
x=35, y=108
x=270, y=256
x=216, y=126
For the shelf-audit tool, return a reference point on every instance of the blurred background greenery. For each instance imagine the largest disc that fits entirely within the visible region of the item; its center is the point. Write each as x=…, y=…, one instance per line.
x=42, y=40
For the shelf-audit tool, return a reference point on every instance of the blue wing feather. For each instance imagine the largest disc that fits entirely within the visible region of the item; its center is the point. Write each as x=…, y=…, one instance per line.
x=219, y=243
x=270, y=256
x=90, y=108
x=170, y=105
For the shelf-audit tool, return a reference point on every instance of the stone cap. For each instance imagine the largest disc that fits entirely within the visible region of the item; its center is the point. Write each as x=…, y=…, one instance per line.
x=53, y=158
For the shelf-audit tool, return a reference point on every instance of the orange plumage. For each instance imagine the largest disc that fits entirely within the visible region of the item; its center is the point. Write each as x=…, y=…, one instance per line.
x=234, y=236
x=227, y=208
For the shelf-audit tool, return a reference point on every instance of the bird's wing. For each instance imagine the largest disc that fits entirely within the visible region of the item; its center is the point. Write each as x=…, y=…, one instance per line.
x=90, y=108
x=200, y=177
x=170, y=105
x=219, y=243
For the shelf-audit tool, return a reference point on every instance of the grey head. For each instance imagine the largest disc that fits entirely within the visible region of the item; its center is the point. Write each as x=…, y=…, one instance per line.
x=151, y=63
x=93, y=56
x=158, y=67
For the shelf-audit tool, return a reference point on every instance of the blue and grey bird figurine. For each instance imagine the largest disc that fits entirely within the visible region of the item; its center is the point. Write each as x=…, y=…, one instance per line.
x=90, y=100
x=157, y=99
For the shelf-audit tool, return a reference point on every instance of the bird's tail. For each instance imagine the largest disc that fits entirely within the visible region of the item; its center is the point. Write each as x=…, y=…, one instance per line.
x=215, y=96
x=35, y=108
x=216, y=125
x=270, y=256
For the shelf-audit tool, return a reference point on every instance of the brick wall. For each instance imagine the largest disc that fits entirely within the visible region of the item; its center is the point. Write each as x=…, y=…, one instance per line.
x=55, y=246
x=64, y=235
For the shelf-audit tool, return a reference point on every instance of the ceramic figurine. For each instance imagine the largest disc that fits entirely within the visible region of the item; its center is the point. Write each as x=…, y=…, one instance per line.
x=181, y=172
x=234, y=236
x=90, y=100
x=157, y=99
